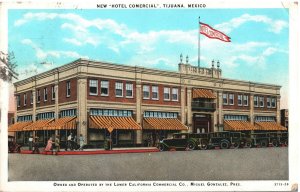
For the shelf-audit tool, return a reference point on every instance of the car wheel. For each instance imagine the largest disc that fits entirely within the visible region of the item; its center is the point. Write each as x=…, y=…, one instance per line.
x=224, y=145
x=275, y=143
x=203, y=146
x=235, y=145
x=247, y=145
x=161, y=147
x=263, y=143
x=191, y=146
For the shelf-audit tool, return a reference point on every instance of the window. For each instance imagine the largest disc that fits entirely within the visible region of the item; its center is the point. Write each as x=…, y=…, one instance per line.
x=146, y=91
x=68, y=113
x=268, y=102
x=240, y=100
x=93, y=87
x=166, y=93
x=24, y=118
x=38, y=96
x=47, y=115
x=104, y=88
x=45, y=94
x=129, y=90
x=261, y=101
x=245, y=97
x=119, y=89
x=31, y=98
x=231, y=99
x=175, y=94
x=111, y=112
x=265, y=118
x=68, y=88
x=236, y=117
x=25, y=99
x=225, y=99
x=18, y=101
x=53, y=92
x=255, y=100
x=158, y=114
x=155, y=92
x=273, y=102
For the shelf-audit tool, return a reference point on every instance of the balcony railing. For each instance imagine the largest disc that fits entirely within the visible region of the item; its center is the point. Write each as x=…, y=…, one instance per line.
x=200, y=105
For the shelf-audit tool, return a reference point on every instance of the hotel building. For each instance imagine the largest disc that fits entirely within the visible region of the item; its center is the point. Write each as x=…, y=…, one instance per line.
x=132, y=104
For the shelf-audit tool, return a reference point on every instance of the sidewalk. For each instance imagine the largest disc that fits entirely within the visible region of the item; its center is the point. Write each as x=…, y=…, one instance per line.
x=25, y=150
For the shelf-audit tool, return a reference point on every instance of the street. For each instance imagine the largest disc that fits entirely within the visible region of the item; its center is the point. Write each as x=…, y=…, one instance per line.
x=231, y=164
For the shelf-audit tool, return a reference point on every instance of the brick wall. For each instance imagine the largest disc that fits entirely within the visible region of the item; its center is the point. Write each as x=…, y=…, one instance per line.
x=161, y=100
x=265, y=108
x=62, y=91
x=28, y=105
x=49, y=100
x=235, y=104
x=111, y=92
x=10, y=118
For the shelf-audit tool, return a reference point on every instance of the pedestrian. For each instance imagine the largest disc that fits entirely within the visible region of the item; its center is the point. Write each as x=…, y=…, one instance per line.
x=36, y=146
x=81, y=142
x=69, y=140
x=30, y=140
x=49, y=145
x=57, y=144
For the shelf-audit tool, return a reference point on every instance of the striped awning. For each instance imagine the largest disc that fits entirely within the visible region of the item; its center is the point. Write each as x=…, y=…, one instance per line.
x=163, y=124
x=111, y=123
x=38, y=125
x=18, y=126
x=230, y=125
x=62, y=123
x=203, y=93
x=270, y=126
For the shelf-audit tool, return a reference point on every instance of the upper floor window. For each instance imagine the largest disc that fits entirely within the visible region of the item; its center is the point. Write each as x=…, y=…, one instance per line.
x=225, y=99
x=18, y=101
x=273, y=101
x=236, y=117
x=45, y=94
x=68, y=88
x=38, y=96
x=119, y=89
x=174, y=94
x=47, y=115
x=155, y=92
x=53, y=92
x=129, y=90
x=231, y=99
x=255, y=100
x=246, y=98
x=265, y=118
x=93, y=87
x=240, y=100
x=111, y=112
x=146, y=91
x=261, y=101
x=159, y=114
x=31, y=98
x=166, y=93
x=104, y=88
x=25, y=99
x=24, y=118
x=68, y=113
x=268, y=102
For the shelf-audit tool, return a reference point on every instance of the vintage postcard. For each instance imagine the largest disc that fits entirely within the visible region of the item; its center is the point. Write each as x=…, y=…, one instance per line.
x=149, y=95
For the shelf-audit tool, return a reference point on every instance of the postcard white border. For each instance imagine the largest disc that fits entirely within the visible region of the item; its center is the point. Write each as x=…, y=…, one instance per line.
x=294, y=111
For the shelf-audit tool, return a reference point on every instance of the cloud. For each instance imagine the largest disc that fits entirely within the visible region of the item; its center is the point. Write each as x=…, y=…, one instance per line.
x=72, y=41
x=274, y=26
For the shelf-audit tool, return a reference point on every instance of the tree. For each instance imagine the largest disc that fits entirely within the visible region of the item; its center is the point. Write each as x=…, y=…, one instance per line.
x=8, y=66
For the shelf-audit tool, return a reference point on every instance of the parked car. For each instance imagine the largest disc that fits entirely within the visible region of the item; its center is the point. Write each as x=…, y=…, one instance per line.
x=179, y=141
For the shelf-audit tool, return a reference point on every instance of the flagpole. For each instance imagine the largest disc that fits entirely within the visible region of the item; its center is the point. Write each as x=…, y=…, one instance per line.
x=199, y=43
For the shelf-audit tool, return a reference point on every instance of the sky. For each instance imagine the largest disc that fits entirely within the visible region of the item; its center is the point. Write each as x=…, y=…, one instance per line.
x=154, y=38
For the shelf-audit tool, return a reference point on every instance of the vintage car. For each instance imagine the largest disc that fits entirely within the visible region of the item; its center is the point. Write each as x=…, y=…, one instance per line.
x=179, y=141
x=226, y=139
x=265, y=139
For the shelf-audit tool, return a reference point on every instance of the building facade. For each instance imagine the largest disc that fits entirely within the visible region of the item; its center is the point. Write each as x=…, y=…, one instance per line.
x=136, y=105
x=285, y=118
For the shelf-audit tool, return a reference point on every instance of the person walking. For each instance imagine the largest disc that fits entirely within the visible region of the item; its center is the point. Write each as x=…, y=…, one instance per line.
x=69, y=140
x=36, y=146
x=30, y=142
x=81, y=142
x=56, y=144
x=49, y=145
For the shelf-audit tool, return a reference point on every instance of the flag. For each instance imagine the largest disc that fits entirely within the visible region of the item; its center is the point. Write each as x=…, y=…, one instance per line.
x=210, y=32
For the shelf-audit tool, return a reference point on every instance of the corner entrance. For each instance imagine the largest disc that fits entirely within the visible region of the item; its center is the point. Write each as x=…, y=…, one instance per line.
x=201, y=123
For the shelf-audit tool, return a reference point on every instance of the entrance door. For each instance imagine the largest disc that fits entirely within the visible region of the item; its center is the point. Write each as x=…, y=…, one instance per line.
x=202, y=123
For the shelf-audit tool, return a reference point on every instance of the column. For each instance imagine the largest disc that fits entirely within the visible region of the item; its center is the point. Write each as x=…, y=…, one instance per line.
x=189, y=109
x=251, y=104
x=139, y=133
x=82, y=107
x=56, y=100
x=182, y=102
x=33, y=107
x=278, y=109
x=220, y=111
